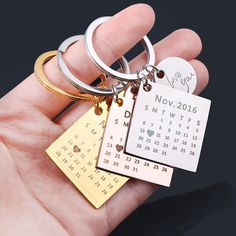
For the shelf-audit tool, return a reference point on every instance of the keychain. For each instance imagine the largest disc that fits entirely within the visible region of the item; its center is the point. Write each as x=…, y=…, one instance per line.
x=75, y=151
x=167, y=125
x=112, y=156
x=173, y=122
x=155, y=123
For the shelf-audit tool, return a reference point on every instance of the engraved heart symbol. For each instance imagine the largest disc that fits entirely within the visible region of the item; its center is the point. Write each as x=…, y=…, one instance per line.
x=150, y=132
x=76, y=149
x=119, y=147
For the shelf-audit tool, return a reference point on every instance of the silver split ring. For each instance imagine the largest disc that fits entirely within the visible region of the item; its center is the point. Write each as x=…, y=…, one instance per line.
x=106, y=69
x=76, y=82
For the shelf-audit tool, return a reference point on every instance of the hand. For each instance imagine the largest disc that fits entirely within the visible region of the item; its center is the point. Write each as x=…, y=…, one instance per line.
x=35, y=196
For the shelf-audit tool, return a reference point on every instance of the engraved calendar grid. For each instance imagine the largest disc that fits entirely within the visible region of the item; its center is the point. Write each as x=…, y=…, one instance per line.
x=112, y=156
x=78, y=164
x=169, y=134
x=75, y=153
x=168, y=127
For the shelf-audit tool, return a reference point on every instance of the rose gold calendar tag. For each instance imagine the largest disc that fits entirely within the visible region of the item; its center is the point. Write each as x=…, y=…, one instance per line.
x=112, y=156
x=75, y=153
x=168, y=126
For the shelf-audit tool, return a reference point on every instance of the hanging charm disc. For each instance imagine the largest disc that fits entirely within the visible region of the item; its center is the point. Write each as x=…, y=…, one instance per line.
x=179, y=74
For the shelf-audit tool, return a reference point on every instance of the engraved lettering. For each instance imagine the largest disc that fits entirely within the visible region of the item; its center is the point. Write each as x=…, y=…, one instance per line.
x=103, y=123
x=127, y=114
x=162, y=100
x=126, y=124
x=154, y=109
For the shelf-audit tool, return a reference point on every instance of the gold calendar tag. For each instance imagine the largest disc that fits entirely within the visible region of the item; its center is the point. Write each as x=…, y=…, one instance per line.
x=75, y=153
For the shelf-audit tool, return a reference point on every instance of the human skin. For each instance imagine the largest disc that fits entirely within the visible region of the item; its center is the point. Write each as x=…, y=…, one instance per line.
x=35, y=196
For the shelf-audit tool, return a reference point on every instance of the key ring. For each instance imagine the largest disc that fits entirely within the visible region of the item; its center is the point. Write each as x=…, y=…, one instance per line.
x=160, y=73
x=106, y=69
x=143, y=78
x=39, y=73
x=116, y=98
x=76, y=82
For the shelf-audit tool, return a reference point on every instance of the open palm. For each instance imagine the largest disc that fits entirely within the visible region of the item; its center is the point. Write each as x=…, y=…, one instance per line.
x=35, y=196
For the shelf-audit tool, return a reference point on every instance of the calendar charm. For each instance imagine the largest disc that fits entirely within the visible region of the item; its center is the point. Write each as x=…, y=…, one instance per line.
x=75, y=153
x=112, y=156
x=168, y=126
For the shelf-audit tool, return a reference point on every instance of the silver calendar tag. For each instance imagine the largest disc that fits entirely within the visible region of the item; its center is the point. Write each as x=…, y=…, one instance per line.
x=112, y=156
x=168, y=126
x=179, y=74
